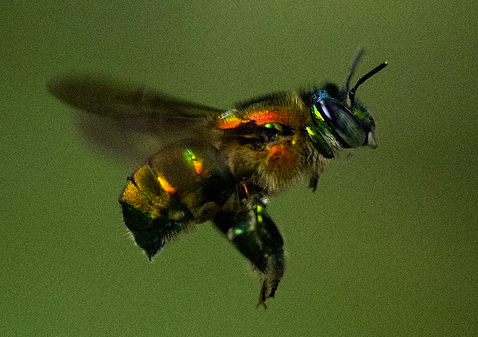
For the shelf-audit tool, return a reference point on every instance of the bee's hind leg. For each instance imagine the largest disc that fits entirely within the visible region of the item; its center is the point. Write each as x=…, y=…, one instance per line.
x=256, y=236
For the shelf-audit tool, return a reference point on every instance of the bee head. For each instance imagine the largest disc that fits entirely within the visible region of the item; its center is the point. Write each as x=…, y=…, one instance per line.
x=338, y=117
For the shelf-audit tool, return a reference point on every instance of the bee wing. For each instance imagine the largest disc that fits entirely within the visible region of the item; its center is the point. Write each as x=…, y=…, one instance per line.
x=129, y=121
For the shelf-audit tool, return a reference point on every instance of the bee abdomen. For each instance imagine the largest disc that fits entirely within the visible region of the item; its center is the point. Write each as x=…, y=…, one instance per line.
x=183, y=184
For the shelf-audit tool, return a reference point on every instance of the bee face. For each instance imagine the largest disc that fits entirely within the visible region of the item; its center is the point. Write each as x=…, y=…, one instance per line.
x=228, y=163
x=338, y=118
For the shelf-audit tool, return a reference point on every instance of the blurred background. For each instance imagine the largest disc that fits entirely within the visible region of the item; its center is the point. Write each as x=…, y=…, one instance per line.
x=388, y=246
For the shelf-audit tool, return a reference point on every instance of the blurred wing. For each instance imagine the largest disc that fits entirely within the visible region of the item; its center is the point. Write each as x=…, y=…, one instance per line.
x=127, y=120
x=108, y=97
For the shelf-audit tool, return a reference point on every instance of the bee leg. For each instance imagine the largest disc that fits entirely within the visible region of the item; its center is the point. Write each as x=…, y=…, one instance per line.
x=314, y=181
x=256, y=236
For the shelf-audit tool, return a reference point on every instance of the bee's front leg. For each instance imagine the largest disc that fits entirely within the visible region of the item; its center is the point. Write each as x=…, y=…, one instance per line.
x=256, y=236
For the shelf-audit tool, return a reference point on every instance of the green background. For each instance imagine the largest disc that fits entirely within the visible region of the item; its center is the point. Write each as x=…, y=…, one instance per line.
x=388, y=246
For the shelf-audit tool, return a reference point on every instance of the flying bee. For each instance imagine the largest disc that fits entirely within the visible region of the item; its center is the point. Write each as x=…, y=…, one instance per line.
x=226, y=164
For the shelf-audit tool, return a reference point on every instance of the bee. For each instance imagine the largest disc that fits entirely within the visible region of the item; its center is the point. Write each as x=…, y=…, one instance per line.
x=226, y=163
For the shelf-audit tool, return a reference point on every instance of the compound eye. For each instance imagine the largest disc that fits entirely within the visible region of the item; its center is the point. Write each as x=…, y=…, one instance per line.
x=346, y=127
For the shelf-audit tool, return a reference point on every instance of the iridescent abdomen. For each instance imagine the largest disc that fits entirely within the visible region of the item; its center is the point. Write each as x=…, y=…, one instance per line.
x=184, y=183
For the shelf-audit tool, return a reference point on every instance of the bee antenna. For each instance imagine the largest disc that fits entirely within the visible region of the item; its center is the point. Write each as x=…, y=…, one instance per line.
x=363, y=79
x=358, y=55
